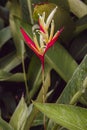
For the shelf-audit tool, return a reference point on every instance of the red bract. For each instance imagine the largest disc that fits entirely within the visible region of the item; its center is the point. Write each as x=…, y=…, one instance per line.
x=46, y=39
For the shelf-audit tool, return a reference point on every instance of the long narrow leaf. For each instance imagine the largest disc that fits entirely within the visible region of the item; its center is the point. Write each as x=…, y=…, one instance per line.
x=15, y=11
x=78, y=7
x=20, y=115
x=6, y=76
x=9, y=62
x=5, y=35
x=61, y=61
x=75, y=84
x=71, y=117
x=4, y=125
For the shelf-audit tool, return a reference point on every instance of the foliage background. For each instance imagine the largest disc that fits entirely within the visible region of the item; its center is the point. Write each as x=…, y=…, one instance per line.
x=65, y=63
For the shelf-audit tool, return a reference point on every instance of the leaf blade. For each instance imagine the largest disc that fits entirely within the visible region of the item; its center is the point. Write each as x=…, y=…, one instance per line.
x=71, y=117
x=4, y=125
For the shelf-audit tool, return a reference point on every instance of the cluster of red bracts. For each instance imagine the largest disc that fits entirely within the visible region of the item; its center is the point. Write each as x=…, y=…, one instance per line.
x=47, y=39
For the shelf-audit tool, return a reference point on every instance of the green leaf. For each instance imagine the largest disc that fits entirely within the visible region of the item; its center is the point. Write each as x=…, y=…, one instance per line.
x=6, y=76
x=9, y=103
x=75, y=84
x=61, y=61
x=78, y=48
x=24, y=10
x=21, y=23
x=4, y=125
x=4, y=14
x=5, y=35
x=34, y=76
x=20, y=115
x=38, y=120
x=71, y=117
x=9, y=62
x=34, y=72
x=81, y=25
x=78, y=8
x=85, y=1
x=61, y=3
x=15, y=11
x=1, y=23
x=73, y=88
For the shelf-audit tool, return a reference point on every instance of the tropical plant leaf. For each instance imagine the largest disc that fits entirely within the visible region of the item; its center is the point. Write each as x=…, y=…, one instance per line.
x=9, y=62
x=74, y=6
x=15, y=11
x=62, y=3
x=38, y=120
x=61, y=61
x=4, y=125
x=77, y=5
x=73, y=90
x=5, y=35
x=21, y=23
x=38, y=1
x=4, y=14
x=34, y=73
x=25, y=10
x=78, y=48
x=19, y=116
x=7, y=76
x=71, y=117
x=9, y=104
x=75, y=84
x=81, y=25
x=1, y=23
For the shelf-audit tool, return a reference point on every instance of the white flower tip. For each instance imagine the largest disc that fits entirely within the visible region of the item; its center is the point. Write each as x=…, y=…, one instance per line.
x=36, y=26
x=56, y=7
x=52, y=20
x=43, y=13
x=37, y=30
x=38, y=14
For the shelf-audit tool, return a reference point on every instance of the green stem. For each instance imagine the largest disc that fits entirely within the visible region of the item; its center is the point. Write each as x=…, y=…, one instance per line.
x=43, y=89
x=43, y=86
x=34, y=111
x=25, y=78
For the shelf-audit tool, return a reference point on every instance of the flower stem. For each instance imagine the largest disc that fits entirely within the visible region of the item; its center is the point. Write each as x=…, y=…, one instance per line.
x=43, y=88
x=25, y=78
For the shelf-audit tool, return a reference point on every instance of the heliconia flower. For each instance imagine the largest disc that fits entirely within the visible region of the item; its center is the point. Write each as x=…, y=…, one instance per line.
x=46, y=39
